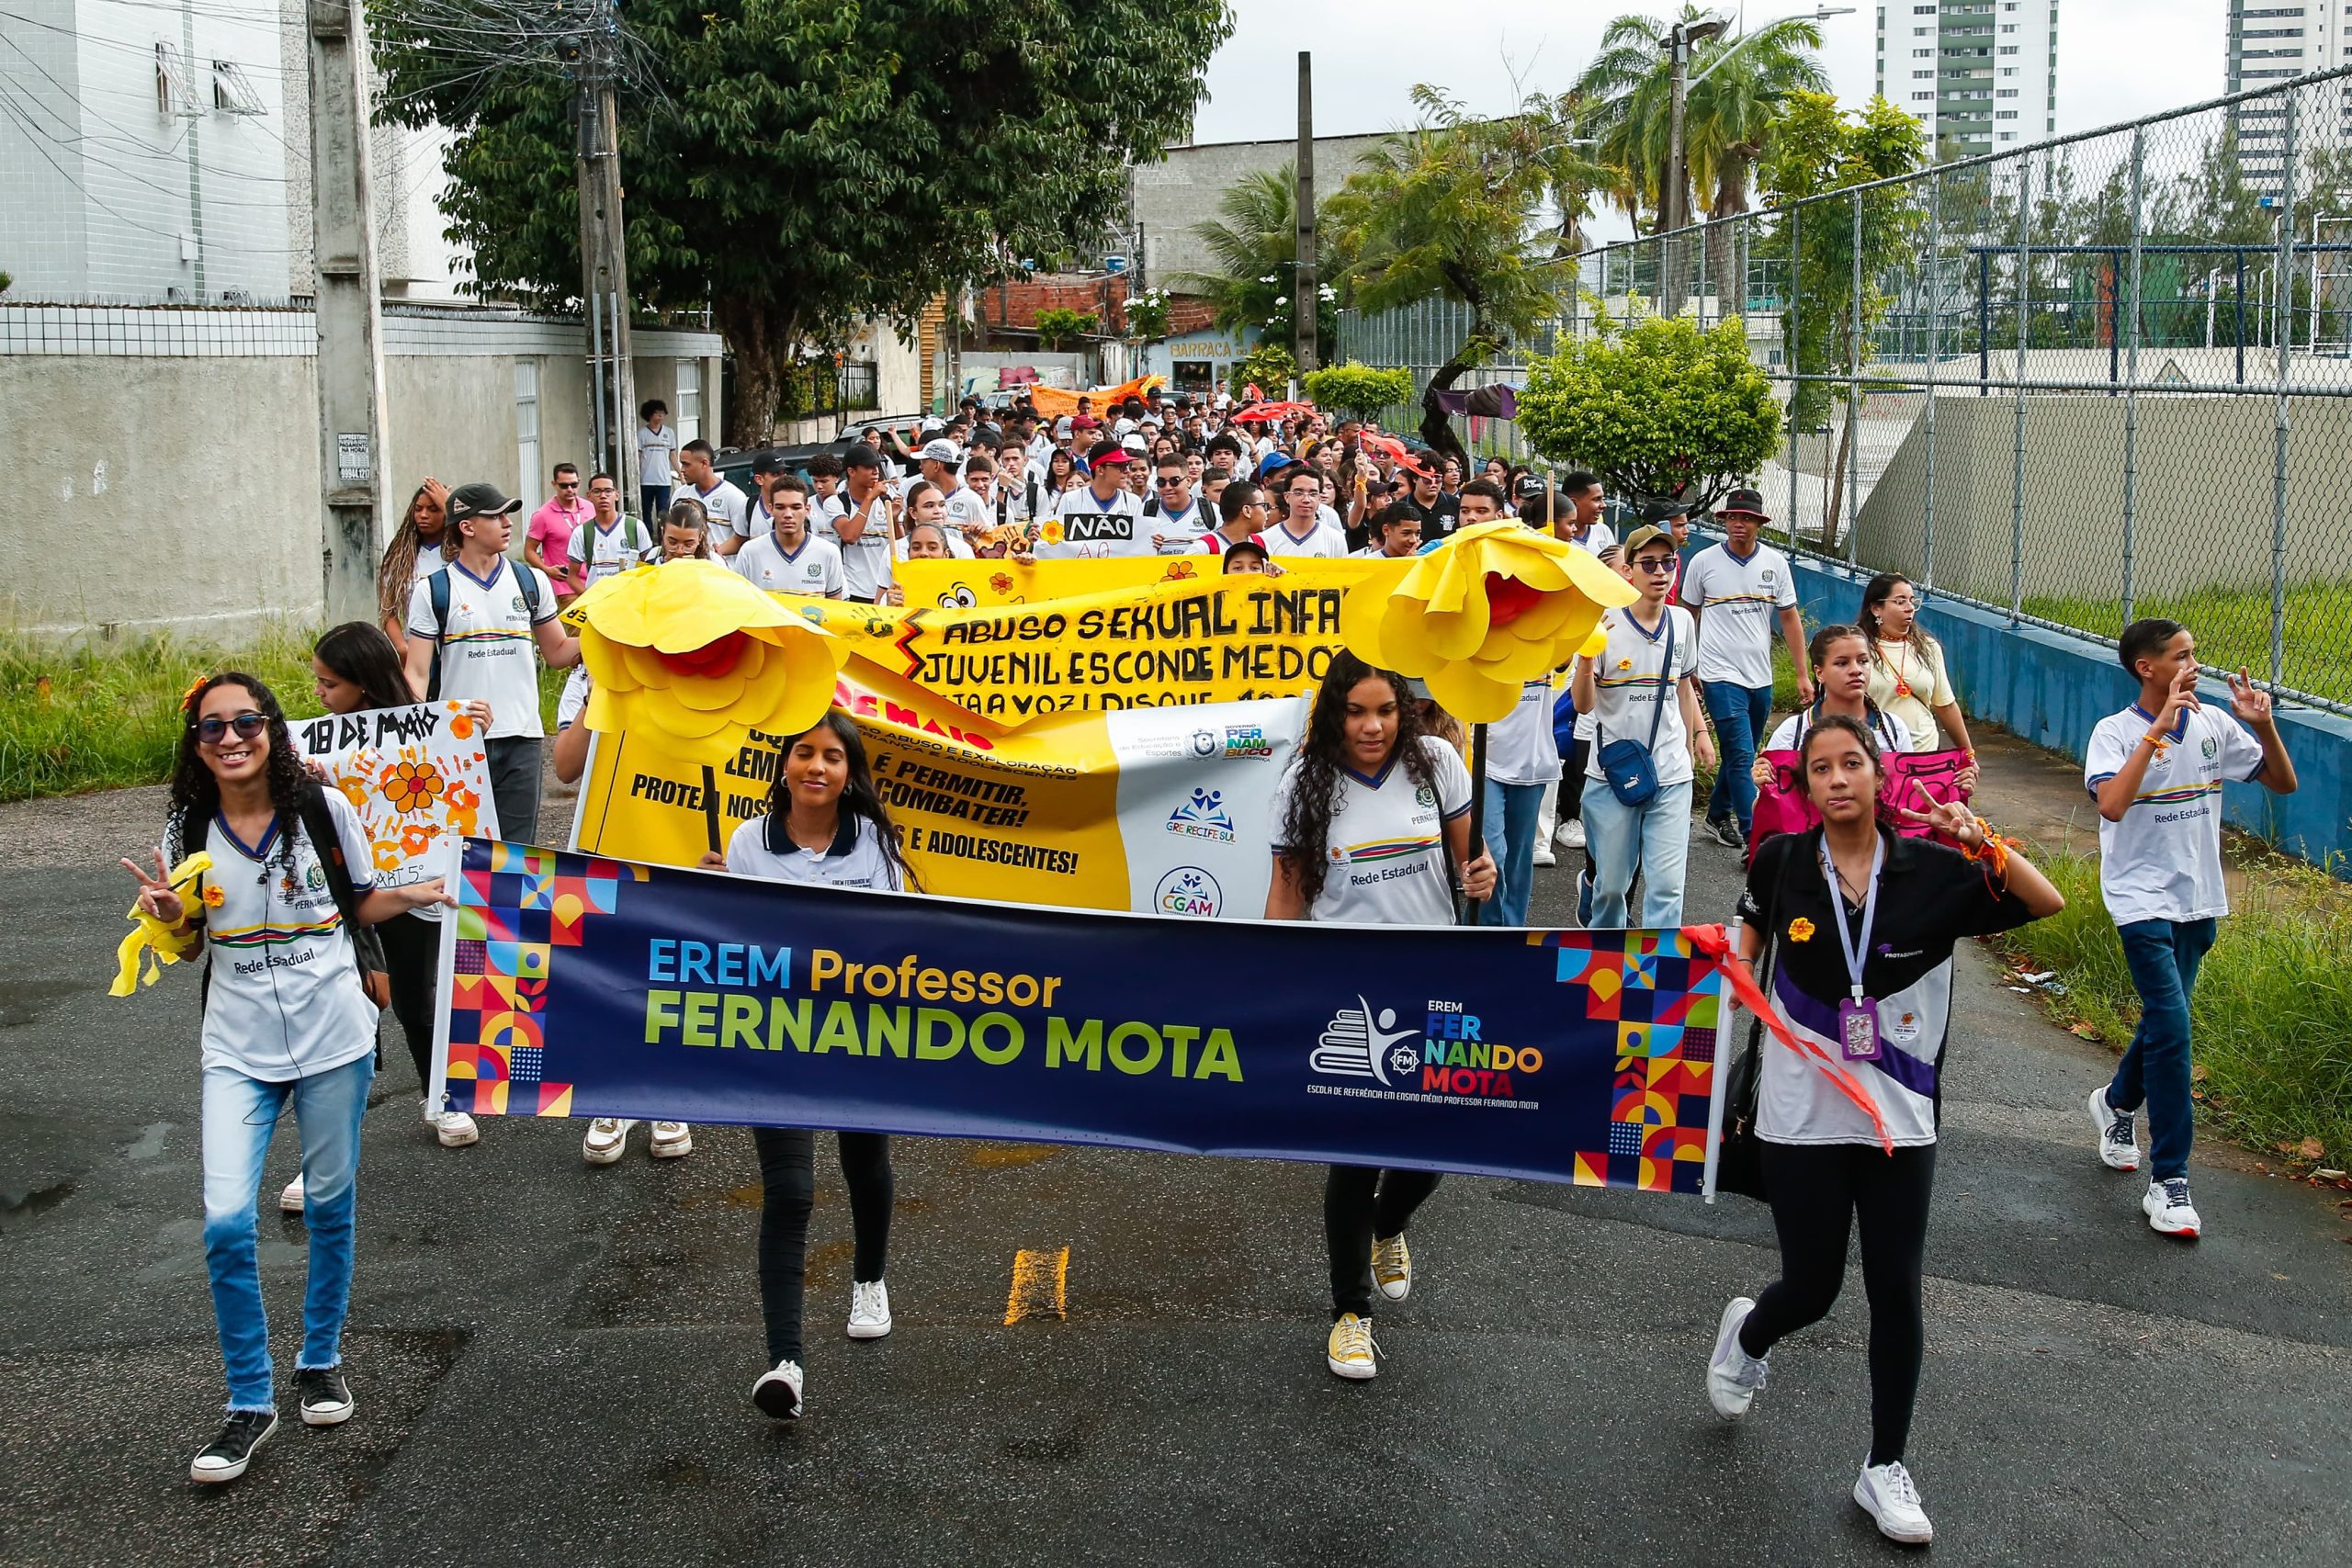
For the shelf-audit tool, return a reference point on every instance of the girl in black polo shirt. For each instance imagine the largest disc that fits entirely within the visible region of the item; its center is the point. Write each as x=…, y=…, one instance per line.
x=1864, y=924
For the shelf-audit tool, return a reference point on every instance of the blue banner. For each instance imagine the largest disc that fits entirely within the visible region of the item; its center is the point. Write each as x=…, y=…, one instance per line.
x=577, y=985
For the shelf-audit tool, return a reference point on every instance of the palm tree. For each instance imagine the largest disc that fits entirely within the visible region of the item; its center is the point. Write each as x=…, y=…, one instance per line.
x=1254, y=238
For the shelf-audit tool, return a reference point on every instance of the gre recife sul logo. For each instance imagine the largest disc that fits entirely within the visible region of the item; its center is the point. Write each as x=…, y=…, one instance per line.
x=1439, y=1053
x=1202, y=817
x=1188, y=890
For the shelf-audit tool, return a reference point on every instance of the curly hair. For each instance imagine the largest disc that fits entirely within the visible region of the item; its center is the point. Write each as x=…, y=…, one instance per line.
x=196, y=794
x=859, y=798
x=1316, y=783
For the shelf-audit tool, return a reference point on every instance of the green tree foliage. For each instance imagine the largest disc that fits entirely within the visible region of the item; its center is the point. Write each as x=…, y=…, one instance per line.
x=806, y=162
x=1358, y=388
x=1059, y=328
x=1270, y=366
x=1449, y=210
x=1659, y=408
x=1254, y=238
x=1819, y=148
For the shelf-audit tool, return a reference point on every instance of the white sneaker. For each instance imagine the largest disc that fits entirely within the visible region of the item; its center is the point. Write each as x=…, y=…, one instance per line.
x=1571, y=834
x=1544, y=855
x=778, y=1392
x=869, y=1309
x=1349, y=1351
x=1392, y=1266
x=1887, y=1495
x=454, y=1129
x=2119, y=1144
x=289, y=1201
x=2169, y=1209
x=671, y=1139
x=1735, y=1377
x=607, y=1137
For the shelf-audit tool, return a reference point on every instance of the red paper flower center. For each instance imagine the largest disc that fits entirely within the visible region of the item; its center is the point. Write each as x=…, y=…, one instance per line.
x=1507, y=598
x=711, y=659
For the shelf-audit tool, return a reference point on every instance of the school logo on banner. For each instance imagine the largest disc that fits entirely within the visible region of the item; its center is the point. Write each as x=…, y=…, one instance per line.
x=1204, y=743
x=1202, y=817
x=1247, y=740
x=1356, y=1045
x=1188, y=890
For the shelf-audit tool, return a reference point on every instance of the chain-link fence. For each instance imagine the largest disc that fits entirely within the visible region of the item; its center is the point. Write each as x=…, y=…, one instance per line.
x=2090, y=379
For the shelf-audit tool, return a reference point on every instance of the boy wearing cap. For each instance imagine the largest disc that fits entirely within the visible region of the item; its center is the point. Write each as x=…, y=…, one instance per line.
x=1734, y=592
x=966, y=513
x=1102, y=519
x=857, y=521
x=471, y=628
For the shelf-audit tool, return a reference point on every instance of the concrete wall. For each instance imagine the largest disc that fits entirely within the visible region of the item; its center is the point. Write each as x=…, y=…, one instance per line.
x=2052, y=689
x=1183, y=189
x=2204, y=495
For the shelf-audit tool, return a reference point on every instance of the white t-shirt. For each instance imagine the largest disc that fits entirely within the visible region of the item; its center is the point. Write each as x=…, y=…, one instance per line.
x=489, y=653
x=656, y=449
x=1789, y=734
x=1321, y=543
x=1912, y=685
x=729, y=509
x=1096, y=529
x=284, y=1000
x=1597, y=536
x=815, y=569
x=1179, y=529
x=1626, y=692
x=966, y=510
x=1520, y=748
x=1387, y=847
x=1739, y=603
x=597, y=553
x=572, y=701
x=854, y=859
x=2163, y=861
x=865, y=561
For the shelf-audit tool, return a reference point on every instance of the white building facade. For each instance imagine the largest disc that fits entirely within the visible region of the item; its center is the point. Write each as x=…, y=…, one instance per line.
x=2271, y=42
x=1983, y=74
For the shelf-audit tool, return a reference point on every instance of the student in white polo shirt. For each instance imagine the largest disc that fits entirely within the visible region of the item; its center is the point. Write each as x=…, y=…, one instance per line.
x=2157, y=770
x=1101, y=519
x=606, y=542
x=859, y=524
x=789, y=559
x=1734, y=592
x=729, y=508
x=472, y=629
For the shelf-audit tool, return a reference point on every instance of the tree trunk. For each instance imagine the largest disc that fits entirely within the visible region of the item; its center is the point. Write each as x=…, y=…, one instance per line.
x=1437, y=425
x=1836, y=489
x=1723, y=257
x=763, y=339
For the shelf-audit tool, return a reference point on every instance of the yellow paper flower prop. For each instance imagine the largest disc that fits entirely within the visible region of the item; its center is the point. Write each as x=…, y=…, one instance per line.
x=688, y=649
x=1494, y=608
x=151, y=944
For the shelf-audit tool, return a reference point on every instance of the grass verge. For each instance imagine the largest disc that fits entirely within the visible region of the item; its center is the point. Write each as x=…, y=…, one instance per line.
x=106, y=717
x=2233, y=628
x=2273, y=1048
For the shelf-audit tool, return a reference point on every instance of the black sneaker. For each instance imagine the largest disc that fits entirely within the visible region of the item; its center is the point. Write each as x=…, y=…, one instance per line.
x=225, y=1457
x=1725, y=830
x=326, y=1398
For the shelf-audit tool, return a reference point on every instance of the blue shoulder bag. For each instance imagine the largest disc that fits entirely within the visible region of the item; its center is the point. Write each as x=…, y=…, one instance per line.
x=1628, y=765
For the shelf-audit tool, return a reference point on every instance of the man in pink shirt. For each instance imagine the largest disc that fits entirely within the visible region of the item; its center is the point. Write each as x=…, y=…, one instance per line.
x=548, y=544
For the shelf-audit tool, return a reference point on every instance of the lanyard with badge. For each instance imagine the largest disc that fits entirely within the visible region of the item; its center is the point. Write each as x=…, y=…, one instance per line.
x=1857, y=1015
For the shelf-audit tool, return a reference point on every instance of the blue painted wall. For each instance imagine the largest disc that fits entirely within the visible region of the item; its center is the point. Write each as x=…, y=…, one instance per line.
x=2052, y=689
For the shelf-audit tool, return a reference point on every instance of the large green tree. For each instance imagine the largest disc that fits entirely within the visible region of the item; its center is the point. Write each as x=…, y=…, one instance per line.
x=801, y=163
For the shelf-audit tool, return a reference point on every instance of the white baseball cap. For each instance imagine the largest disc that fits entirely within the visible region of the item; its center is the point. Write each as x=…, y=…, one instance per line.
x=941, y=451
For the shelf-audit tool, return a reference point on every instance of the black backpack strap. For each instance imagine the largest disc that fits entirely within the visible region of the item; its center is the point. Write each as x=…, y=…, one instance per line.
x=318, y=823
x=437, y=588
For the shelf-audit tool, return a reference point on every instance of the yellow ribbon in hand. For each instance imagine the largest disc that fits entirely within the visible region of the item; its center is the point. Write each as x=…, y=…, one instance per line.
x=151, y=944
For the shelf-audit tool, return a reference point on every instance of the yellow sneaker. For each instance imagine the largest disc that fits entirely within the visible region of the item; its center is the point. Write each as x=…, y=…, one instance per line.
x=1392, y=1266
x=1349, y=1350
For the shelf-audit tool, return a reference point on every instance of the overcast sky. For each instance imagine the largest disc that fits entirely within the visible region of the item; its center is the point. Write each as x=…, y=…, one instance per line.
x=2117, y=59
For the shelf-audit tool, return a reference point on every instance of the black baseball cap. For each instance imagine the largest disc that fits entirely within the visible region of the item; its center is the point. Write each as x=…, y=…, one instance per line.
x=767, y=462
x=861, y=454
x=478, y=500
x=1536, y=498
x=1744, y=503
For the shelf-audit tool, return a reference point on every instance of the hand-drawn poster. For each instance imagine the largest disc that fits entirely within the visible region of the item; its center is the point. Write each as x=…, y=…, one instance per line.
x=418, y=776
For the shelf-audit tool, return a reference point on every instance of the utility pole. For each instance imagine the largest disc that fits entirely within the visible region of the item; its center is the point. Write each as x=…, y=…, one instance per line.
x=350, y=363
x=1305, y=287
x=1672, y=214
x=604, y=260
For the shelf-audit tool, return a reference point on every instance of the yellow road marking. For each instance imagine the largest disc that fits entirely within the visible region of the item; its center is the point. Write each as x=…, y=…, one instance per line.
x=1040, y=1284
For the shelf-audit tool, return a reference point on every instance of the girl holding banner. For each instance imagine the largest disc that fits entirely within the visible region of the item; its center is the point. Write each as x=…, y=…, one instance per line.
x=1864, y=921
x=825, y=823
x=1370, y=815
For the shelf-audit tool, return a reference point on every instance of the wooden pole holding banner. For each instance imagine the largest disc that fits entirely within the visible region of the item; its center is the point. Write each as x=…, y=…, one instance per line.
x=1470, y=906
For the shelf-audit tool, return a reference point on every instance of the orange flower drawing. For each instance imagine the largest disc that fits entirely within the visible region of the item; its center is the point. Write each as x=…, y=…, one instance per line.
x=1800, y=929
x=414, y=786
x=1178, y=571
x=214, y=896
x=416, y=838
x=462, y=726
x=1001, y=583
x=1050, y=532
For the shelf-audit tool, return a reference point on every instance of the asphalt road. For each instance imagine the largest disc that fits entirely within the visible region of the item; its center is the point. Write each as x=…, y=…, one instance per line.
x=552, y=1362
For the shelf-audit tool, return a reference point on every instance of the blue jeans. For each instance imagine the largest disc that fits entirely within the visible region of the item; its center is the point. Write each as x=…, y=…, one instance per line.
x=1655, y=837
x=1740, y=714
x=654, y=500
x=240, y=1114
x=1511, y=810
x=2163, y=956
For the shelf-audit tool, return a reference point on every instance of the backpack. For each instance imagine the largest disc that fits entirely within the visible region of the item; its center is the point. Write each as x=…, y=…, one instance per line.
x=437, y=585
x=318, y=825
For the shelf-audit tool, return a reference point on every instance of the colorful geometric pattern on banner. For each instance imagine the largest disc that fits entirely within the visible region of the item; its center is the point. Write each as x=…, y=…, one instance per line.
x=588, y=987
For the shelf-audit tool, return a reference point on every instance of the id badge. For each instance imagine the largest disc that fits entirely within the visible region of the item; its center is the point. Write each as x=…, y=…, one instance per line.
x=1858, y=1030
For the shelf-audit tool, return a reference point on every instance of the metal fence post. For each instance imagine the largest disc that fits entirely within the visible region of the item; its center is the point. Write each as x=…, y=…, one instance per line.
x=2017, y=469
x=1854, y=399
x=1934, y=336
x=2280, y=420
x=1701, y=278
x=1789, y=354
x=2131, y=381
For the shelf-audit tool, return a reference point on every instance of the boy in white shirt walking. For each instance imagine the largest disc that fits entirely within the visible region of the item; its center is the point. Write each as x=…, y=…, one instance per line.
x=2157, y=770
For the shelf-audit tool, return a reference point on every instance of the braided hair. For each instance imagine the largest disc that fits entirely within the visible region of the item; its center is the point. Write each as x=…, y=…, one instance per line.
x=1316, y=783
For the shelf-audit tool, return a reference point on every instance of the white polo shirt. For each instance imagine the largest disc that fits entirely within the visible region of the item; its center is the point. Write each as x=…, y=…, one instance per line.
x=866, y=561
x=1521, y=749
x=2163, y=861
x=729, y=509
x=854, y=859
x=815, y=569
x=1091, y=529
x=1320, y=542
x=1626, y=692
x=490, y=652
x=1739, y=603
x=1385, y=853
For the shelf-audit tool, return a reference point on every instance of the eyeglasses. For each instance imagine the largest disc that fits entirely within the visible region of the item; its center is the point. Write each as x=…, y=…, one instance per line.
x=1166, y=482
x=246, y=725
x=1663, y=563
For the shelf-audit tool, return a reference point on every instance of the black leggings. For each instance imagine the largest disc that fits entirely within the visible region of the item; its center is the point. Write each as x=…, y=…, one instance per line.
x=788, y=1179
x=1570, y=800
x=413, y=950
x=1358, y=1203
x=1817, y=1191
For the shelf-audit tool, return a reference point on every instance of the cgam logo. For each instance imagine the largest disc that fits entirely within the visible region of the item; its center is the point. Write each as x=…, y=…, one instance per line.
x=1188, y=890
x=1202, y=817
x=1444, y=1047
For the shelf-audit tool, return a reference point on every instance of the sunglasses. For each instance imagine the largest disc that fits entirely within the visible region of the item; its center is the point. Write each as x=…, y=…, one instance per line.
x=246, y=725
x=1165, y=481
x=567, y=484
x=1664, y=563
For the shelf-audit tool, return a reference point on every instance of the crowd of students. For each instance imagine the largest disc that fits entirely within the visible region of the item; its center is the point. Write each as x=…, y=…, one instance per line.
x=1604, y=757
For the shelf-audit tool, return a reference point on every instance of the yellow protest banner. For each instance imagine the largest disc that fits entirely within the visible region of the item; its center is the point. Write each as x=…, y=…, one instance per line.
x=980, y=585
